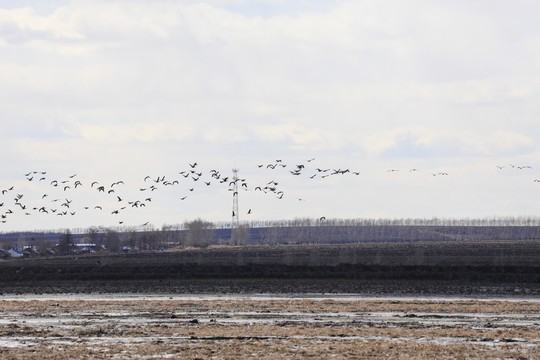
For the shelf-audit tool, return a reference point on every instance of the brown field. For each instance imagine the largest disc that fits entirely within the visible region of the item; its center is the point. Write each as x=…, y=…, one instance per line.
x=242, y=327
x=486, y=261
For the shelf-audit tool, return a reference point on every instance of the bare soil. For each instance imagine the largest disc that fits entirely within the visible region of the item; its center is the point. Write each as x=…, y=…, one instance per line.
x=516, y=261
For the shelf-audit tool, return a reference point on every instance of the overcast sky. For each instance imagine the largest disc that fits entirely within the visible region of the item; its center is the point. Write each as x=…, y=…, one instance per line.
x=121, y=90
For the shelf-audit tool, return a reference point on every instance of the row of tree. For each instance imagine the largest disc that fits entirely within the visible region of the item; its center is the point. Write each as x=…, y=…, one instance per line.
x=200, y=233
x=435, y=221
x=196, y=233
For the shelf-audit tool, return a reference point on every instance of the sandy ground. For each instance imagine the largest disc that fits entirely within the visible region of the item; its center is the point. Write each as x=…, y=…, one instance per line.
x=264, y=327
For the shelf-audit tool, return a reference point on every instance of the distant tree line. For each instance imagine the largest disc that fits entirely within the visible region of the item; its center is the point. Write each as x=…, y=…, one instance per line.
x=201, y=233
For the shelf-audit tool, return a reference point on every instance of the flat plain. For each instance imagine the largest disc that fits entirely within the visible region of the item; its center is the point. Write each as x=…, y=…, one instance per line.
x=432, y=300
x=268, y=327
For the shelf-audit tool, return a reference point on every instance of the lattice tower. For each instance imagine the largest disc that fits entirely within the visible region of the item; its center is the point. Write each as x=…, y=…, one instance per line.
x=235, y=214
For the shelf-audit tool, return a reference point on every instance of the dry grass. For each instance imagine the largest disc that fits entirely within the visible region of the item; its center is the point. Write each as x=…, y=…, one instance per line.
x=424, y=306
x=265, y=329
x=289, y=349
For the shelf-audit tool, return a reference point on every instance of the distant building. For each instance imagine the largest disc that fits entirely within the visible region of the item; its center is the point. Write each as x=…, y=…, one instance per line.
x=14, y=253
x=85, y=248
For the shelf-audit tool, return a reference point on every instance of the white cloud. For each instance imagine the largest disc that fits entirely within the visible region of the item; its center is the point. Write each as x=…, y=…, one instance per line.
x=145, y=132
x=388, y=82
x=24, y=24
x=316, y=139
x=426, y=142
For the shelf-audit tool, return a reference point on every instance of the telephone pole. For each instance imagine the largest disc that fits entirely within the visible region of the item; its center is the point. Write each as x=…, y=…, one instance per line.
x=235, y=214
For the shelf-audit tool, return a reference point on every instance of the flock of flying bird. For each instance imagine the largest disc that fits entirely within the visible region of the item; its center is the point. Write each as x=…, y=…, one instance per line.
x=58, y=199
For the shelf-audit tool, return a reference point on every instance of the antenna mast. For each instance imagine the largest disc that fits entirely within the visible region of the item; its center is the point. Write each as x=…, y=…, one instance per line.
x=235, y=214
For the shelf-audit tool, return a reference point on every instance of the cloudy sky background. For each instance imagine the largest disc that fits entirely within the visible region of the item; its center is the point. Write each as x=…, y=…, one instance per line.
x=118, y=90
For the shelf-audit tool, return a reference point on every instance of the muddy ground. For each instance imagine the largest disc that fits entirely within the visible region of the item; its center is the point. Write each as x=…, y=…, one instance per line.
x=371, y=288
x=244, y=327
x=421, y=301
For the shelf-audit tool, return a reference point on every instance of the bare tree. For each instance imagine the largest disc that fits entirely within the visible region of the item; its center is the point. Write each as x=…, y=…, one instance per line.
x=112, y=241
x=66, y=243
x=96, y=236
x=200, y=233
x=6, y=245
x=45, y=247
x=240, y=235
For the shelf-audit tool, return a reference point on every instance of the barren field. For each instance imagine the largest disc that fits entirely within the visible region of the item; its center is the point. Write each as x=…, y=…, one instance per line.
x=432, y=300
x=236, y=326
